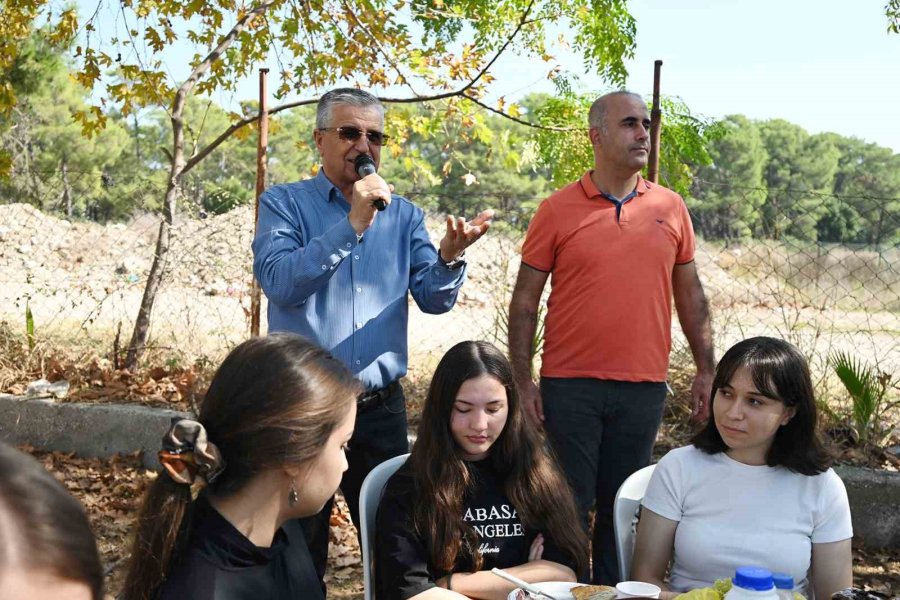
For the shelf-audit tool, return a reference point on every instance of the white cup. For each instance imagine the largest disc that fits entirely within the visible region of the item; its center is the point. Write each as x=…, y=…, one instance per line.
x=637, y=589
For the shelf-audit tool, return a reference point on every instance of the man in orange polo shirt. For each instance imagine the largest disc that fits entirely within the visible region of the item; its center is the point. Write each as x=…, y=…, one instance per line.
x=619, y=248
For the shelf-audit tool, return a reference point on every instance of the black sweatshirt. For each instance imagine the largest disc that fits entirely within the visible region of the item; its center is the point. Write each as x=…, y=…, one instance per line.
x=402, y=566
x=219, y=563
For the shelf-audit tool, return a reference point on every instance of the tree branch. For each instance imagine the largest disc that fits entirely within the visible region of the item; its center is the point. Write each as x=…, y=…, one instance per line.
x=504, y=46
x=200, y=155
x=475, y=100
x=381, y=50
x=461, y=92
x=140, y=61
x=224, y=44
x=192, y=162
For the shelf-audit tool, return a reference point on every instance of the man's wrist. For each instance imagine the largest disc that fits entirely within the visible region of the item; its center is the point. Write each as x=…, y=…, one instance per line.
x=453, y=264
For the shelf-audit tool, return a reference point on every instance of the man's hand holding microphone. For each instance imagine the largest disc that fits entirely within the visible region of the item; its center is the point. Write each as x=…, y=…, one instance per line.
x=370, y=194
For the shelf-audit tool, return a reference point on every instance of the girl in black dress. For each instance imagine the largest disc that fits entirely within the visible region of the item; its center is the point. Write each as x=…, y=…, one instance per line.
x=220, y=521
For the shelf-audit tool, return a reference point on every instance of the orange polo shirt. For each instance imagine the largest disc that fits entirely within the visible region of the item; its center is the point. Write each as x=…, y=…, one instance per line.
x=609, y=315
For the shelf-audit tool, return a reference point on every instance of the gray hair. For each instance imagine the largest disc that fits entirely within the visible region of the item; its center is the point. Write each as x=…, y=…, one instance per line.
x=597, y=114
x=351, y=96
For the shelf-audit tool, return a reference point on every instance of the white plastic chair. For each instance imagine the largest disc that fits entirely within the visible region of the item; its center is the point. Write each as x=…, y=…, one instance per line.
x=369, y=497
x=625, y=517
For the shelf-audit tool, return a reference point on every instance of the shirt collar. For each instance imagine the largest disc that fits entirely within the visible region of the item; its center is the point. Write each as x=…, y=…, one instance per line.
x=325, y=187
x=223, y=544
x=591, y=191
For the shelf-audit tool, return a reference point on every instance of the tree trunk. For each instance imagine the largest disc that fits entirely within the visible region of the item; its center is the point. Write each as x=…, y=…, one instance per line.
x=179, y=167
x=142, y=324
x=879, y=226
x=67, y=189
x=35, y=182
x=160, y=257
x=137, y=138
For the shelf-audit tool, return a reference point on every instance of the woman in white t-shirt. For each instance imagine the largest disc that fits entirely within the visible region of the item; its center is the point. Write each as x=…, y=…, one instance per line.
x=753, y=489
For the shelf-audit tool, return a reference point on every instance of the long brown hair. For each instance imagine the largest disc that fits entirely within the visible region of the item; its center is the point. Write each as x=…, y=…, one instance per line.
x=42, y=527
x=532, y=480
x=274, y=401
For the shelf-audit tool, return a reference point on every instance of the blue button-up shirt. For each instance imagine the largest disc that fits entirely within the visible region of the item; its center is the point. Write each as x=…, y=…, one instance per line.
x=349, y=297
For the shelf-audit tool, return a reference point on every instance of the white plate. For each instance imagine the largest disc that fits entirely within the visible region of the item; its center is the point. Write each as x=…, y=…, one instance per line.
x=559, y=589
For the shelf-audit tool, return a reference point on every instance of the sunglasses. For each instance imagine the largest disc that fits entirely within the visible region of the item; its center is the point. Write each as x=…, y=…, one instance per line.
x=351, y=134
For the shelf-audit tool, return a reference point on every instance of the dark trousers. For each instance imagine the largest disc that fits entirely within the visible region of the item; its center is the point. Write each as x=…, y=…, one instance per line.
x=602, y=432
x=380, y=434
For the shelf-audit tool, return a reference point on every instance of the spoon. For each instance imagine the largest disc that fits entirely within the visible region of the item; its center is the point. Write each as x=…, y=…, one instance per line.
x=522, y=584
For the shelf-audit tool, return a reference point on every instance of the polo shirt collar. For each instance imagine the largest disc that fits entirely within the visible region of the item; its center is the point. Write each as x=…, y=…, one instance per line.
x=591, y=191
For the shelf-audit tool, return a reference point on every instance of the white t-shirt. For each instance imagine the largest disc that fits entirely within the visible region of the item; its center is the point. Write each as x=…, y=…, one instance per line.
x=732, y=515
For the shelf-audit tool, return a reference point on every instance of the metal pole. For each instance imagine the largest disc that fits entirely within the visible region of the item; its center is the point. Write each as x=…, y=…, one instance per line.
x=655, y=122
x=261, y=167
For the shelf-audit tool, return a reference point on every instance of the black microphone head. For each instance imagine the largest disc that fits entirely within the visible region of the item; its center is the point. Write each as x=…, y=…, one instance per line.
x=364, y=165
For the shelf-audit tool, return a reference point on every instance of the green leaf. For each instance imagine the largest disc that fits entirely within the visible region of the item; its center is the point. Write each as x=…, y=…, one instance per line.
x=859, y=380
x=29, y=325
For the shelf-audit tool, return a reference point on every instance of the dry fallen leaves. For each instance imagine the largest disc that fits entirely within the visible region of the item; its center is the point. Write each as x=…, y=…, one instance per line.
x=111, y=490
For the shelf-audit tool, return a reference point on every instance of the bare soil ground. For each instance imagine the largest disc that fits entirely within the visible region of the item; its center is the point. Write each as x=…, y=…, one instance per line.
x=82, y=280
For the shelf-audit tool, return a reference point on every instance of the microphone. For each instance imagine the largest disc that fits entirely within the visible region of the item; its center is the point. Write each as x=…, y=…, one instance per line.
x=364, y=166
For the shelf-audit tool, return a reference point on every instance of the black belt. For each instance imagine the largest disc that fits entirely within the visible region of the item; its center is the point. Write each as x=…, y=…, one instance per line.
x=375, y=398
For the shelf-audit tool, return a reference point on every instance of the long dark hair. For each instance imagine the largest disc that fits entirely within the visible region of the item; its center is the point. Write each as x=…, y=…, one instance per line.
x=779, y=371
x=42, y=527
x=533, y=482
x=274, y=401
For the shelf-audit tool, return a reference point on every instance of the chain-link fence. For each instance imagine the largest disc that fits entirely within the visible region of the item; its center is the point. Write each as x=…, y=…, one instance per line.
x=82, y=281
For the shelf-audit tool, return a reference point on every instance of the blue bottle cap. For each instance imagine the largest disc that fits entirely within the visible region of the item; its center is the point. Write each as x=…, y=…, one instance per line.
x=783, y=581
x=753, y=578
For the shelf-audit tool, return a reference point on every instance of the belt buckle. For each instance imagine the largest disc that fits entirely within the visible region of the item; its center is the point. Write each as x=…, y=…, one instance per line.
x=367, y=401
x=374, y=398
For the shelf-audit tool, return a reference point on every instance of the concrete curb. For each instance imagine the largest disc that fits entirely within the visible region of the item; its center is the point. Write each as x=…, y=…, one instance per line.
x=102, y=430
x=874, y=505
x=90, y=430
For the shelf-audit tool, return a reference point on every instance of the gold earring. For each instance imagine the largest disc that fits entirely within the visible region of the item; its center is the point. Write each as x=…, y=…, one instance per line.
x=293, y=497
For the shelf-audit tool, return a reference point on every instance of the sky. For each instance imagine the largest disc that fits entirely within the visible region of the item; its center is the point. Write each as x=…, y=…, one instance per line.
x=826, y=65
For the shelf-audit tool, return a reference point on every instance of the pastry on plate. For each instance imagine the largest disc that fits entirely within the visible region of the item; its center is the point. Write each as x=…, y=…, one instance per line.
x=594, y=592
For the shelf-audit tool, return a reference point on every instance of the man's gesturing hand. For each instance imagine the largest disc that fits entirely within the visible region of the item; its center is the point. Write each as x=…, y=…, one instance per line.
x=460, y=234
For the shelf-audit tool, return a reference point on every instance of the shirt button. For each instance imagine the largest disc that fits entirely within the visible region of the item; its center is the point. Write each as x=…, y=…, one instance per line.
x=359, y=290
x=357, y=362
x=324, y=268
x=349, y=245
x=356, y=256
x=359, y=325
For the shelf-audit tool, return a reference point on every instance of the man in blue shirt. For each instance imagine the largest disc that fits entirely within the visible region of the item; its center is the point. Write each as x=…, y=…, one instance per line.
x=337, y=270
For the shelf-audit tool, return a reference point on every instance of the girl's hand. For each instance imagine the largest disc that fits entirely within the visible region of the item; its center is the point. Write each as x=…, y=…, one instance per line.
x=537, y=548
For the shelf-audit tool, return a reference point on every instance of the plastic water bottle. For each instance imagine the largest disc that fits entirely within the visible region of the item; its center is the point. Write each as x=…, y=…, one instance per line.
x=752, y=583
x=784, y=585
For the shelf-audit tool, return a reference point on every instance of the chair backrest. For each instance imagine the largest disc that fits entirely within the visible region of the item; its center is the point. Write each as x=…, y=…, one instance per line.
x=369, y=497
x=625, y=517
